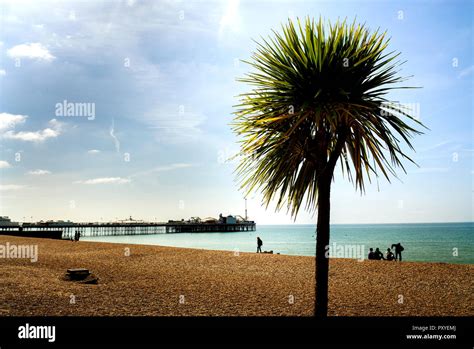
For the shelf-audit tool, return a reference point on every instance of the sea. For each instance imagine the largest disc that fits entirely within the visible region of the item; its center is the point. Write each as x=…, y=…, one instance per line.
x=428, y=242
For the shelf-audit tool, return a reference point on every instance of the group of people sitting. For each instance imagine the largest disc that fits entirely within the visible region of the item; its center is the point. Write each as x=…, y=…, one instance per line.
x=389, y=255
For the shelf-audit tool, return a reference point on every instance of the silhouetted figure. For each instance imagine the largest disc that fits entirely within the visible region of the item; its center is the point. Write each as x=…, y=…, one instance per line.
x=371, y=254
x=77, y=235
x=398, y=251
x=259, y=245
x=378, y=255
x=389, y=256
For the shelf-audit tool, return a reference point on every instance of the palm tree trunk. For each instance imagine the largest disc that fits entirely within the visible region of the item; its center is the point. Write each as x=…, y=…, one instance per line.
x=322, y=243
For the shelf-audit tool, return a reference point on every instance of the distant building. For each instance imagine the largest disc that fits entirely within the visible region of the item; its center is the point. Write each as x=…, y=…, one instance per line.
x=230, y=219
x=210, y=220
x=59, y=223
x=227, y=220
x=5, y=221
x=195, y=220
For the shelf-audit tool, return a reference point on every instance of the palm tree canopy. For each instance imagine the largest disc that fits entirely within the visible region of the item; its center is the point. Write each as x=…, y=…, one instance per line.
x=318, y=96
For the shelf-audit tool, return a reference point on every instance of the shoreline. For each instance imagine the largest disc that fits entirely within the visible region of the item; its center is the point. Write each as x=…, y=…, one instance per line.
x=241, y=252
x=274, y=252
x=178, y=281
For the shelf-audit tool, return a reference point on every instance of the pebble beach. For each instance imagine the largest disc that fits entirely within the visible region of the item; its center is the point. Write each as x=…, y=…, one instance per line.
x=141, y=280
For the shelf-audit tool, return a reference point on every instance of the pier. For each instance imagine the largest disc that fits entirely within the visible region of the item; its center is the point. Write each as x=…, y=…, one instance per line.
x=67, y=229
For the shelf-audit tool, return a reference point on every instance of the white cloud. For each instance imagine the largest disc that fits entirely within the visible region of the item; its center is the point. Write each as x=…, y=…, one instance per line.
x=3, y=72
x=37, y=136
x=466, y=72
x=230, y=19
x=105, y=180
x=8, y=121
x=5, y=187
x=31, y=51
x=171, y=167
x=430, y=170
x=11, y=19
x=164, y=168
x=174, y=126
x=56, y=124
x=112, y=134
x=93, y=151
x=4, y=164
x=39, y=172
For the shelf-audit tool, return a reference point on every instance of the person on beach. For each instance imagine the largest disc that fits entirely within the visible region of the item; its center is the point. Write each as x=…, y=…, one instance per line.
x=259, y=245
x=378, y=255
x=389, y=256
x=371, y=254
x=398, y=251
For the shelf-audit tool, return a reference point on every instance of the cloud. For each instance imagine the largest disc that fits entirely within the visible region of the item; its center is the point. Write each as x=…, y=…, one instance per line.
x=105, y=180
x=31, y=51
x=430, y=170
x=8, y=187
x=4, y=164
x=39, y=172
x=93, y=151
x=112, y=134
x=171, y=167
x=230, y=19
x=164, y=168
x=466, y=72
x=437, y=146
x=8, y=121
x=174, y=126
x=3, y=72
x=28, y=136
x=37, y=136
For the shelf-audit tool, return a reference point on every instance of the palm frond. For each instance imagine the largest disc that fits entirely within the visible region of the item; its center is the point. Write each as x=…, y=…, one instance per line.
x=318, y=97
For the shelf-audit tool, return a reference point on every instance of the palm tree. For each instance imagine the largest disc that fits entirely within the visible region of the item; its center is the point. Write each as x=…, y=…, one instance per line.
x=318, y=98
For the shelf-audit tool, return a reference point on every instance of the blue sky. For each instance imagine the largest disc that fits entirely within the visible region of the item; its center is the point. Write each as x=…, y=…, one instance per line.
x=162, y=79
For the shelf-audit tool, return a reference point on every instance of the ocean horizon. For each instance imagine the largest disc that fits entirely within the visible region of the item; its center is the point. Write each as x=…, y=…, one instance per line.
x=422, y=242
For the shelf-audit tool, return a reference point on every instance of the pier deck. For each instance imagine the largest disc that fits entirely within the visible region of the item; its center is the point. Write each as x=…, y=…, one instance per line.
x=67, y=230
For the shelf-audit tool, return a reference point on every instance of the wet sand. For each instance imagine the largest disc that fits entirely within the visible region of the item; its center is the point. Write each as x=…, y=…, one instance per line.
x=167, y=281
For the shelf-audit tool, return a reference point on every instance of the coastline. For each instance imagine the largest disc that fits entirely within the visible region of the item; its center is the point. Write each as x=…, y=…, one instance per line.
x=170, y=281
x=423, y=243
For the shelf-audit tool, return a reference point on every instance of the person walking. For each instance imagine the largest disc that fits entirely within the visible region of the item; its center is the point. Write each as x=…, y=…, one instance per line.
x=259, y=245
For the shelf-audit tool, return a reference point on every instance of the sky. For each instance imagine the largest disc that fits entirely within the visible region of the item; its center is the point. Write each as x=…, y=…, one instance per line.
x=111, y=109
